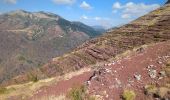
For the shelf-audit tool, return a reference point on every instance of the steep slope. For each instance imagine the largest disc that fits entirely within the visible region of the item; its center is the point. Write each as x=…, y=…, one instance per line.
x=134, y=71
x=151, y=28
x=127, y=62
x=29, y=40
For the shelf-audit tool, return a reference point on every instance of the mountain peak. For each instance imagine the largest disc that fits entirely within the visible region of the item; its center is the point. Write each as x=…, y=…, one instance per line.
x=40, y=14
x=168, y=2
x=20, y=11
x=46, y=14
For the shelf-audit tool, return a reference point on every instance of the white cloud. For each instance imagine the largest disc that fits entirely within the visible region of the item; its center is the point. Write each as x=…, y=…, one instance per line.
x=85, y=5
x=97, y=18
x=101, y=21
x=125, y=16
x=131, y=10
x=84, y=17
x=10, y=1
x=104, y=22
x=139, y=9
x=64, y=2
x=116, y=5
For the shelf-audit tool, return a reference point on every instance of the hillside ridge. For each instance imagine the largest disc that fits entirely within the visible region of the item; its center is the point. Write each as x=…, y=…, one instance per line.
x=151, y=28
x=31, y=39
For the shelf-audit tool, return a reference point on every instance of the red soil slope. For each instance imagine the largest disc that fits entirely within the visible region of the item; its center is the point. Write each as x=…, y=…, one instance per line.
x=132, y=72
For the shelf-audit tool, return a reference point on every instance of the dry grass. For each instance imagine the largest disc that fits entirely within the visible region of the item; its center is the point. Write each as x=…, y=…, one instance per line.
x=52, y=97
x=31, y=87
x=128, y=95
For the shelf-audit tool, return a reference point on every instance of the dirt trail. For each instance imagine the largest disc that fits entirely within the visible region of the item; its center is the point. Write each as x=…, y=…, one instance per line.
x=130, y=72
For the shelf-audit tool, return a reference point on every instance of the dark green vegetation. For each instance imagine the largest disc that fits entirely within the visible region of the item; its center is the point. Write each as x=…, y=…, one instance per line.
x=29, y=40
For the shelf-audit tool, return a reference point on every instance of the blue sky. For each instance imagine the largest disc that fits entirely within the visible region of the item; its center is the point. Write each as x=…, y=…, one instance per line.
x=107, y=13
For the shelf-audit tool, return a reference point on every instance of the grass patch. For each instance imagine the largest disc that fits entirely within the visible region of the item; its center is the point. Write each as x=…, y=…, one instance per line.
x=167, y=71
x=21, y=58
x=29, y=61
x=168, y=64
x=33, y=78
x=150, y=89
x=4, y=90
x=128, y=95
x=79, y=93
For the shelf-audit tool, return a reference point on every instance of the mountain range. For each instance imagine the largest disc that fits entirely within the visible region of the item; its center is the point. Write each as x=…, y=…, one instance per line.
x=30, y=39
x=151, y=28
x=131, y=62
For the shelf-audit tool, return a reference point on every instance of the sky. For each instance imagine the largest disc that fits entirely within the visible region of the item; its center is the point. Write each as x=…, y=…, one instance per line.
x=106, y=13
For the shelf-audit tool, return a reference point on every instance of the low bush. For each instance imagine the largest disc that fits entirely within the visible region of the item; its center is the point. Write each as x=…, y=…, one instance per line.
x=3, y=90
x=33, y=78
x=128, y=95
x=79, y=93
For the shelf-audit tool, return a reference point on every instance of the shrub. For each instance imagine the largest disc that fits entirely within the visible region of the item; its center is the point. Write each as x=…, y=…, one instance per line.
x=150, y=89
x=128, y=95
x=157, y=36
x=29, y=61
x=3, y=90
x=21, y=58
x=33, y=78
x=168, y=64
x=79, y=93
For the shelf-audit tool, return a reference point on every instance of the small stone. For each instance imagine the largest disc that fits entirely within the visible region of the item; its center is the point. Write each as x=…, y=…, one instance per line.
x=108, y=70
x=162, y=73
x=107, y=96
x=159, y=62
x=160, y=78
x=153, y=73
x=137, y=77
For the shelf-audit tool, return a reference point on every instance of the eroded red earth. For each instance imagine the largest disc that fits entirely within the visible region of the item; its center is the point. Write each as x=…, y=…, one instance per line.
x=61, y=87
x=131, y=72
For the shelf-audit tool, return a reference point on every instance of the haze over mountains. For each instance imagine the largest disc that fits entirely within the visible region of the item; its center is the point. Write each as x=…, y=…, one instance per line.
x=29, y=40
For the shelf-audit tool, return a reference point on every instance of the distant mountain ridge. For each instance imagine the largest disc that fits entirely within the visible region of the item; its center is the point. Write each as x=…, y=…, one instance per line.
x=41, y=16
x=30, y=39
x=100, y=29
x=168, y=2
